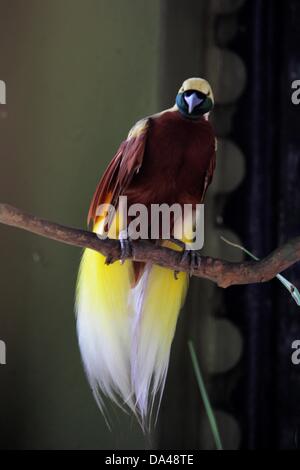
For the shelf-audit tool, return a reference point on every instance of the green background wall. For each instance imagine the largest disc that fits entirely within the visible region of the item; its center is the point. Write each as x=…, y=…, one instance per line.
x=78, y=74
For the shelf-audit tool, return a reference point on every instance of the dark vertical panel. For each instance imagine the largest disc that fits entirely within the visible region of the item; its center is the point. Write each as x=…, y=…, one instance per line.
x=288, y=223
x=267, y=204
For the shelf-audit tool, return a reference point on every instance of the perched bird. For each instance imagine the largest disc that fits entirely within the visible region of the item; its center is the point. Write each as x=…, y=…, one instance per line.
x=127, y=312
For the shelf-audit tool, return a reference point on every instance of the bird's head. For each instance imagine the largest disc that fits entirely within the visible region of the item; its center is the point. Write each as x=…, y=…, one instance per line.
x=195, y=98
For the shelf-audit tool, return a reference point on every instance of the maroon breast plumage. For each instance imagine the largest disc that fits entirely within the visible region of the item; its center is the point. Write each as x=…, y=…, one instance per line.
x=179, y=157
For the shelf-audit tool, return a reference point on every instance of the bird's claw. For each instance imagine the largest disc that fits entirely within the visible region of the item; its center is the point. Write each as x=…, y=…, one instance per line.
x=193, y=258
x=108, y=260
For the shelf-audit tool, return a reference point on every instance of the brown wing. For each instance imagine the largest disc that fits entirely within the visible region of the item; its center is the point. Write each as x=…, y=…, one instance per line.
x=121, y=169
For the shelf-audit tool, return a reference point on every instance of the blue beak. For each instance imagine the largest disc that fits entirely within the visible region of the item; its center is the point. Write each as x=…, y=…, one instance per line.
x=192, y=101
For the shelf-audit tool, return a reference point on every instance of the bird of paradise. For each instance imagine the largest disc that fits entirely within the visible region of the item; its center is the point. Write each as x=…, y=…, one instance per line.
x=127, y=312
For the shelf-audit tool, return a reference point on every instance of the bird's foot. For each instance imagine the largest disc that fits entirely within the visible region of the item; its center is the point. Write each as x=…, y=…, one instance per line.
x=193, y=258
x=109, y=260
x=126, y=246
x=181, y=245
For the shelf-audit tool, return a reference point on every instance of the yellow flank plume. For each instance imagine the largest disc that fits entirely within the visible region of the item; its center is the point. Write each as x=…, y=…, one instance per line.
x=103, y=325
x=125, y=334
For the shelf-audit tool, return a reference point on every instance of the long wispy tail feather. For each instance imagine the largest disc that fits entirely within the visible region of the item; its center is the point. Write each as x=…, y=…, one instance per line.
x=157, y=300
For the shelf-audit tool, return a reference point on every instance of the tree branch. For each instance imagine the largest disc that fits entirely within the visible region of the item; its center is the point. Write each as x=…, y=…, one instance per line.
x=223, y=273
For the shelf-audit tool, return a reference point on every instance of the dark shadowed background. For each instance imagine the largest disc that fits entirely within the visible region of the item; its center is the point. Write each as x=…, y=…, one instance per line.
x=78, y=75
